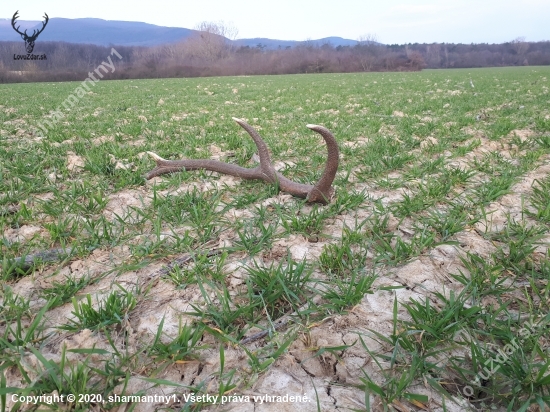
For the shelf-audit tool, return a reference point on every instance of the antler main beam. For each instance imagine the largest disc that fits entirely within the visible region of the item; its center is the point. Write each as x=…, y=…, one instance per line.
x=44, y=24
x=14, y=22
x=321, y=192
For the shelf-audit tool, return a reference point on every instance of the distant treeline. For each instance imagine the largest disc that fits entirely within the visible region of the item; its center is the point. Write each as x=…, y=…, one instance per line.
x=211, y=55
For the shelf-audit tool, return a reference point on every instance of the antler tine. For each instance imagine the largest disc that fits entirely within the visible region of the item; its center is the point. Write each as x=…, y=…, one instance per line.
x=263, y=152
x=322, y=191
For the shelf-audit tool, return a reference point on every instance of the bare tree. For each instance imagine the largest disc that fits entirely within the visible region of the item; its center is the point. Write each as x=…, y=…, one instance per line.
x=520, y=46
x=433, y=55
x=61, y=57
x=89, y=58
x=221, y=28
x=368, y=51
x=368, y=39
x=211, y=43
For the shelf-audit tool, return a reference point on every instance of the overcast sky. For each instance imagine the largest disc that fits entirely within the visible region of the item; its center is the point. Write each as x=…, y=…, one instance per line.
x=391, y=21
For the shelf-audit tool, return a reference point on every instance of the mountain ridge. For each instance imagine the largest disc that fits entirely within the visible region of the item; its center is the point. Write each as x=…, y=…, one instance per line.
x=129, y=33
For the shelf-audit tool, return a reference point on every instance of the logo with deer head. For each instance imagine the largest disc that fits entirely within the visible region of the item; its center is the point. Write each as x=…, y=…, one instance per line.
x=29, y=40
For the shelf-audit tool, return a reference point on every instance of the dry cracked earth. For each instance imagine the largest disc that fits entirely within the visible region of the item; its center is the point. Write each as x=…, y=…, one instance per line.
x=330, y=379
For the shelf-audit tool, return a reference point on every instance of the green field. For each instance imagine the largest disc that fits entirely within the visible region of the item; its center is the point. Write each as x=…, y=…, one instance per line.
x=424, y=284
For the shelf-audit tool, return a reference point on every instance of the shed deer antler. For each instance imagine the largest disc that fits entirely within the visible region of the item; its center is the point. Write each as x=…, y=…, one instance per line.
x=321, y=192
